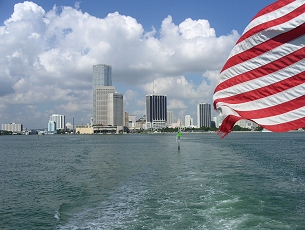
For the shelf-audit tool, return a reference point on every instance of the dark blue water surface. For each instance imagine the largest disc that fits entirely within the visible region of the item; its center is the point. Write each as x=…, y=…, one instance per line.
x=248, y=180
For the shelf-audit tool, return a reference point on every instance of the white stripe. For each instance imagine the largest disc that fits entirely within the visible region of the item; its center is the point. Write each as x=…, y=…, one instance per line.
x=269, y=101
x=273, y=15
x=263, y=36
x=266, y=80
x=282, y=118
x=263, y=59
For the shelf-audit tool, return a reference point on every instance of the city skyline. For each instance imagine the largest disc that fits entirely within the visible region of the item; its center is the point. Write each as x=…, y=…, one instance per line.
x=177, y=50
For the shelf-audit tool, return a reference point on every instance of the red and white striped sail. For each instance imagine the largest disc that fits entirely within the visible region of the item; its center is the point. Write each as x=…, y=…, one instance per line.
x=263, y=79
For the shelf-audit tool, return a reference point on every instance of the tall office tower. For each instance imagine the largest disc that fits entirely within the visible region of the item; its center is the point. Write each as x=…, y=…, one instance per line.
x=188, y=121
x=156, y=111
x=100, y=116
x=102, y=76
x=115, y=113
x=204, y=115
x=59, y=121
x=170, y=117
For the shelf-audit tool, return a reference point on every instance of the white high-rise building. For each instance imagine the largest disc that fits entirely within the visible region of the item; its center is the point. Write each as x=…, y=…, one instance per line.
x=13, y=127
x=170, y=118
x=217, y=120
x=59, y=121
x=132, y=121
x=189, y=121
x=204, y=115
x=101, y=104
x=101, y=76
x=115, y=112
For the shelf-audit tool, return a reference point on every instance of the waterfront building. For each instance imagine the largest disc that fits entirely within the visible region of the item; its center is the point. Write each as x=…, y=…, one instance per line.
x=141, y=123
x=217, y=120
x=126, y=119
x=246, y=124
x=59, y=121
x=13, y=127
x=170, y=118
x=132, y=121
x=100, y=116
x=70, y=126
x=156, y=111
x=189, y=121
x=84, y=129
x=51, y=126
x=204, y=115
x=102, y=76
x=179, y=123
x=115, y=109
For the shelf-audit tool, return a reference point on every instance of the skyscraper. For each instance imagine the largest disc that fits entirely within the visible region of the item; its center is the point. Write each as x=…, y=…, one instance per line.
x=204, y=115
x=170, y=118
x=156, y=111
x=115, y=109
x=59, y=121
x=100, y=104
x=101, y=76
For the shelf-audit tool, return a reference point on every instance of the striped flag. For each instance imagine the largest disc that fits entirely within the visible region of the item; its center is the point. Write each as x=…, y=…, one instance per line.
x=263, y=79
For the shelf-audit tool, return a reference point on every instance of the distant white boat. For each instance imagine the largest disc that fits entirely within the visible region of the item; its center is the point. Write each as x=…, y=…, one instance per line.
x=266, y=130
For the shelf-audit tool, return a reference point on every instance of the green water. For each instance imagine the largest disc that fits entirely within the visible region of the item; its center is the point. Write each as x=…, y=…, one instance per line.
x=244, y=181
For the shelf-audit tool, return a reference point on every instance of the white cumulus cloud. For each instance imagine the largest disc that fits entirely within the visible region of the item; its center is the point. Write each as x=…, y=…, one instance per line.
x=47, y=58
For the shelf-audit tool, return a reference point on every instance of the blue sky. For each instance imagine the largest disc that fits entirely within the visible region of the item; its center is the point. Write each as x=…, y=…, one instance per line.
x=47, y=53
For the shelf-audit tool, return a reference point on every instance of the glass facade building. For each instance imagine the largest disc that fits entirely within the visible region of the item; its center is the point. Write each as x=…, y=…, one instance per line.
x=101, y=77
x=156, y=111
x=204, y=115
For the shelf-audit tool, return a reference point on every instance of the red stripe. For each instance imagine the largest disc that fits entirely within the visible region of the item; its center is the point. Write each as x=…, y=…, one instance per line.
x=228, y=124
x=273, y=7
x=264, y=91
x=264, y=70
x=265, y=46
x=284, y=127
x=252, y=55
x=278, y=21
x=274, y=110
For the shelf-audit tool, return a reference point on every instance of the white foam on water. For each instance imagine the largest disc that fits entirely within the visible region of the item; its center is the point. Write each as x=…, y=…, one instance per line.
x=57, y=215
x=119, y=210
